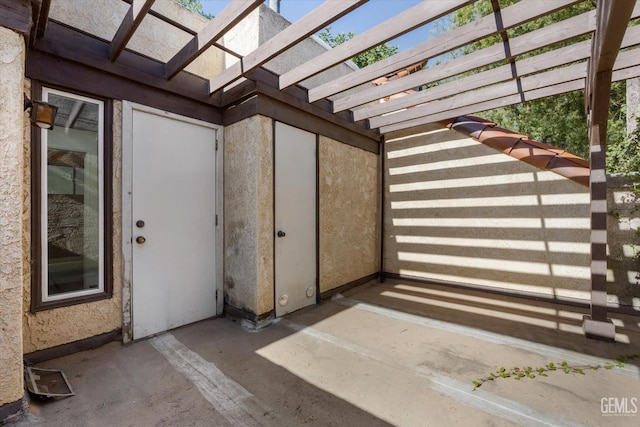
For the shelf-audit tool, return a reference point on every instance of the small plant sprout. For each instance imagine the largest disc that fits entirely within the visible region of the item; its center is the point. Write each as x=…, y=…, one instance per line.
x=519, y=373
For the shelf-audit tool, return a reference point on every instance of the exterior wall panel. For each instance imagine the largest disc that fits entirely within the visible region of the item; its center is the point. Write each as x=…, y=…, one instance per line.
x=349, y=220
x=248, y=212
x=49, y=328
x=460, y=211
x=12, y=262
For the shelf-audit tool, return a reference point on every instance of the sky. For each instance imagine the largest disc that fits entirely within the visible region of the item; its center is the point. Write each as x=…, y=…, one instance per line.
x=366, y=16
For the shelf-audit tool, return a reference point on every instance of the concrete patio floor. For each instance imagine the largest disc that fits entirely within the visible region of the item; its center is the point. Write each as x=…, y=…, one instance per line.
x=398, y=353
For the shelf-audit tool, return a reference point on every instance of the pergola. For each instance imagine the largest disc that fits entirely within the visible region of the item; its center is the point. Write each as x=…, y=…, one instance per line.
x=597, y=47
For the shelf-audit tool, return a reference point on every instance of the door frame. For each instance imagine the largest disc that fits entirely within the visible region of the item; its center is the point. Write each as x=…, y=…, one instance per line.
x=127, y=207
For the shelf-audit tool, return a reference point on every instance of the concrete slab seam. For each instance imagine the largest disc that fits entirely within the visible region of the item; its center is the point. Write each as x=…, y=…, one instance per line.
x=520, y=414
x=224, y=394
x=486, y=402
x=533, y=347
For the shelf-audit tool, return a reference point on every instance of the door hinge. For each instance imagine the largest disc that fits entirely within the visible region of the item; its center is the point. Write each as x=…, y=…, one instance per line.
x=216, y=295
x=216, y=145
x=216, y=219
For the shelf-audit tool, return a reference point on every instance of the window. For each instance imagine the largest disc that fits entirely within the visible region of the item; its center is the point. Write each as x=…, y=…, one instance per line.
x=71, y=232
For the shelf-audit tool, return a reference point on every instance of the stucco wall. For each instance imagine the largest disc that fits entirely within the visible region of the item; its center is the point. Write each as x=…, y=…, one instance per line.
x=459, y=211
x=153, y=38
x=248, y=213
x=50, y=328
x=12, y=263
x=349, y=216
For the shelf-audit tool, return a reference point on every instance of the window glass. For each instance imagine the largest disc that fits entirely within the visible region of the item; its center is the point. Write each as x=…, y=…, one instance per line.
x=72, y=198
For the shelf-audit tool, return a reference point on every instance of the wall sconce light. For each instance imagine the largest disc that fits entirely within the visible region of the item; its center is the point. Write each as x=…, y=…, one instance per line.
x=42, y=114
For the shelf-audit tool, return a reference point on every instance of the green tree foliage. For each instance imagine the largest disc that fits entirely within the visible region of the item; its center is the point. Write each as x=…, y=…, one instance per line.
x=626, y=154
x=195, y=6
x=363, y=59
x=559, y=120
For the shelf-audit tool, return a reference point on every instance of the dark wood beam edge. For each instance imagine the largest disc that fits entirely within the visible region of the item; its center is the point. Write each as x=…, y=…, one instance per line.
x=237, y=94
x=72, y=347
x=85, y=49
x=290, y=114
x=348, y=286
x=36, y=6
x=277, y=110
x=16, y=15
x=76, y=76
x=261, y=96
x=43, y=19
x=13, y=410
x=240, y=112
x=296, y=95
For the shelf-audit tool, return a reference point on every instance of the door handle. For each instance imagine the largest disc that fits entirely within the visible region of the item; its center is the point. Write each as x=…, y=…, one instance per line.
x=280, y=233
x=140, y=240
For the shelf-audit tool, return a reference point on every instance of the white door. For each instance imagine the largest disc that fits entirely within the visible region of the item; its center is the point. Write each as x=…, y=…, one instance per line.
x=295, y=218
x=173, y=230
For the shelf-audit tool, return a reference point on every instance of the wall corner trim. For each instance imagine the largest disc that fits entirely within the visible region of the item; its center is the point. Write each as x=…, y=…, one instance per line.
x=347, y=286
x=72, y=347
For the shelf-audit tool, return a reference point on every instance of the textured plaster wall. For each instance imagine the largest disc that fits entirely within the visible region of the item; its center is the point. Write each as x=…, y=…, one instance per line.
x=11, y=204
x=457, y=210
x=349, y=216
x=50, y=328
x=153, y=38
x=248, y=213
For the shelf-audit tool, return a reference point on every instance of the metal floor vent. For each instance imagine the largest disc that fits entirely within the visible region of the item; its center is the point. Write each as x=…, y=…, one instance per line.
x=48, y=382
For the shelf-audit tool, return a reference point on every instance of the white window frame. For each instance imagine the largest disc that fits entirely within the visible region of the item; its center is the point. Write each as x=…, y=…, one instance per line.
x=44, y=261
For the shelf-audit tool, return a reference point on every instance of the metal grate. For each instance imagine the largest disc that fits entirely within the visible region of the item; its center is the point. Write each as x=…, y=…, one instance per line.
x=48, y=382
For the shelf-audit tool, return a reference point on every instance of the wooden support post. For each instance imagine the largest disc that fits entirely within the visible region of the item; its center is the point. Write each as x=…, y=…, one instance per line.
x=597, y=325
x=612, y=18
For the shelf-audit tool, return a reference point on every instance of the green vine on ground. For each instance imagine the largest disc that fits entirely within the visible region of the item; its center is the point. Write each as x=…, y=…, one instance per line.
x=518, y=373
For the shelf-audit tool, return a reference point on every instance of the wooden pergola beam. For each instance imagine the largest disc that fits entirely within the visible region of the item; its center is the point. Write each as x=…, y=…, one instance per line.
x=563, y=56
x=561, y=31
x=317, y=19
x=511, y=16
x=519, y=84
x=556, y=58
x=402, y=23
x=16, y=15
x=612, y=22
x=511, y=87
x=39, y=17
x=233, y=13
x=132, y=20
x=544, y=92
x=91, y=52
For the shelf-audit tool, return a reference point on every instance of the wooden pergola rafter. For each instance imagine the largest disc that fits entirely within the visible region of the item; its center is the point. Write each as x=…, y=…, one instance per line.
x=503, y=74
x=460, y=85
